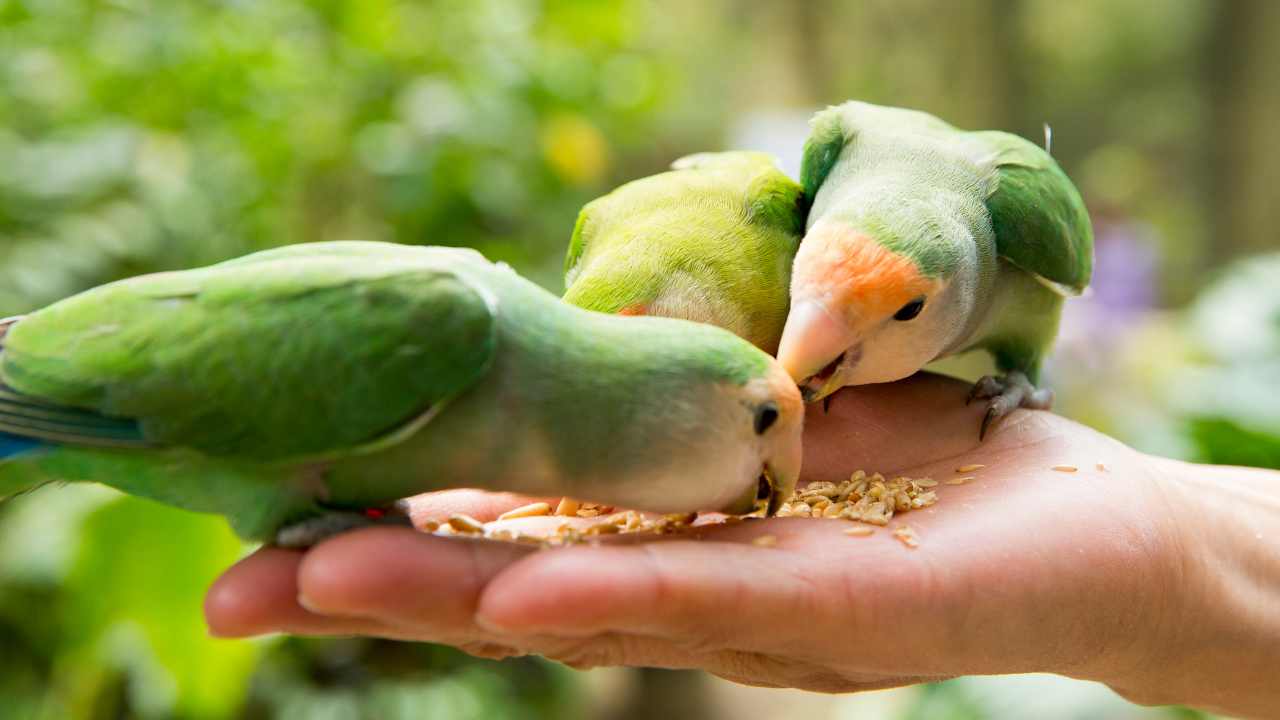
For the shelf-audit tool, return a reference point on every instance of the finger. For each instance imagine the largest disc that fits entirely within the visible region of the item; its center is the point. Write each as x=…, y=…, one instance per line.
x=424, y=586
x=750, y=668
x=709, y=595
x=889, y=427
x=259, y=595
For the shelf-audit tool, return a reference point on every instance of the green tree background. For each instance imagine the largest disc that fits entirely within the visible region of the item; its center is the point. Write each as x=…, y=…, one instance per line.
x=145, y=135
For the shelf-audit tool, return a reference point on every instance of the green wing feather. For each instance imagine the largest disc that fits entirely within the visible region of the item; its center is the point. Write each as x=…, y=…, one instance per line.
x=1039, y=219
x=577, y=245
x=827, y=138
x=283, y=356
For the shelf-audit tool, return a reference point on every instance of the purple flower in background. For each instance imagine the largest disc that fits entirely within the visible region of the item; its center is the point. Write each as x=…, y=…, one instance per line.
x=1121, y=295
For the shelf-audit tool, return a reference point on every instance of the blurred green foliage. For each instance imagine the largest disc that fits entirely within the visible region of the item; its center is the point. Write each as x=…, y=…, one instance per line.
x=1229, y=396
x=144, y=135
x=137, y=136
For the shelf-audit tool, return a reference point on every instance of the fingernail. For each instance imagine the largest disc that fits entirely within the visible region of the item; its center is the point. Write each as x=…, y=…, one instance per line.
x=306, y=604
x=488, y=625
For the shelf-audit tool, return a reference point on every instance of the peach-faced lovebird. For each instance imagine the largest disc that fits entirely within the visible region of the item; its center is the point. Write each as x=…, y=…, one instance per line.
x=924, y=241
x=710, y=241
x=301, y=391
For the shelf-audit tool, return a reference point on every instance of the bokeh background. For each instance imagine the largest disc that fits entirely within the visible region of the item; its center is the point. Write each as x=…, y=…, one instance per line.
x=143, y=135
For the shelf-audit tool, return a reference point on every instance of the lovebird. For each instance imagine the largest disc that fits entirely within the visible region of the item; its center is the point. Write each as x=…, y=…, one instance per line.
x=710, y=241
x=924, y=241
x=301, y=391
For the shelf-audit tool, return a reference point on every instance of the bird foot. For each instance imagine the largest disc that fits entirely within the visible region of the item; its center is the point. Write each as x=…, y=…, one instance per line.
x=316, y=529
x=1006, y=394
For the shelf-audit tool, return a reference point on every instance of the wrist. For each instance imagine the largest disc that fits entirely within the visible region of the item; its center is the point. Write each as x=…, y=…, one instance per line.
x=1213, y=639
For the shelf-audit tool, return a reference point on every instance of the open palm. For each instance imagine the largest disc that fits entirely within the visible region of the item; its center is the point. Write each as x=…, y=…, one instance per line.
x=1025, y=568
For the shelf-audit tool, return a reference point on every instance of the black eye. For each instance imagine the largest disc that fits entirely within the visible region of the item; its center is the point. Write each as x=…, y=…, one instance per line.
x=766, y=416
x=910, y=310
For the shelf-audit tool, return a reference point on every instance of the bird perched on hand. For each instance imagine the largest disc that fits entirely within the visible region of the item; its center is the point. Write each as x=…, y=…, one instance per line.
x=711, y=241
x=302, y=390
x=924, y=241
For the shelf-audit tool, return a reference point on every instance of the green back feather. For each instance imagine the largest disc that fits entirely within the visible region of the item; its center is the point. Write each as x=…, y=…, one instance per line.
x=928, y=190
x=267, y=358
x=717, y=234
x=827, y=138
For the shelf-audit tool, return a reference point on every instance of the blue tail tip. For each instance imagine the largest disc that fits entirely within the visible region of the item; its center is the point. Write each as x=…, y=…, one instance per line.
x=11, y=445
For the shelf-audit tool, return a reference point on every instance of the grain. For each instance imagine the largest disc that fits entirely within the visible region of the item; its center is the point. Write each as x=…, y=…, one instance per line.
x=466, y=524
x=871, y=500
x=969, y=468
x=1102, y=467
x=795, y=509
x=1064, y=468
x=531, y=510
x=568, y=506
x=907, y=536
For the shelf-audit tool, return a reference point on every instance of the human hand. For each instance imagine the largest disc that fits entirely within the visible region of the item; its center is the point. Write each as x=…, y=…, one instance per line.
x=1024, y=569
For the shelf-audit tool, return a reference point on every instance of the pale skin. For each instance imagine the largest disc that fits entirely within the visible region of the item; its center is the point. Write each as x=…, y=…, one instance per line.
x=1158, y=578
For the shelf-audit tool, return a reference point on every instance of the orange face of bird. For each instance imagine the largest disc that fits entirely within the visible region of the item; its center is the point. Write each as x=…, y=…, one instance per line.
x=856, y=276
x=845, y=284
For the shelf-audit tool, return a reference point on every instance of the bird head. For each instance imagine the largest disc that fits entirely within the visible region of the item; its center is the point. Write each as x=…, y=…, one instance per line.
x=861, y=312
x=773, y=422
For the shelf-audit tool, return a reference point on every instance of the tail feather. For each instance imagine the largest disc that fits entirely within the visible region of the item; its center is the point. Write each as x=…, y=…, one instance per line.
x=11, y=445
x=27, y=417
x=24, y=416
x=15, y=478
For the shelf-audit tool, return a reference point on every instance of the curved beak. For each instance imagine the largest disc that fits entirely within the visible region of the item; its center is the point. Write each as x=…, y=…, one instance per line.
x=813, y=343
x=781, y=476
x=772, y=489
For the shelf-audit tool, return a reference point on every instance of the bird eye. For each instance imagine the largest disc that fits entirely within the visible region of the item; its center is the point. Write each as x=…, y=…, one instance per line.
x=766, y=416
x=910, y=310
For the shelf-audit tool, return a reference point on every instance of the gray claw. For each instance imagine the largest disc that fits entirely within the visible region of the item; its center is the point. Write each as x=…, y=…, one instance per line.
x=986, y=387
x=314, y=530
x=1006, y=394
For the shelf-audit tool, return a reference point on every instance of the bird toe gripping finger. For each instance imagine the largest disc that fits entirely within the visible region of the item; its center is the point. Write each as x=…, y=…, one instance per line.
x=998, y=407
x=1006, y=394
x=986, y=387
x=316, y=529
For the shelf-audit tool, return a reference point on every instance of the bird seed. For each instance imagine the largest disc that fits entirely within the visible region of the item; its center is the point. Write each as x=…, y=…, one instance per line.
x=530, y=510
x=568, y=506
x=466, y=524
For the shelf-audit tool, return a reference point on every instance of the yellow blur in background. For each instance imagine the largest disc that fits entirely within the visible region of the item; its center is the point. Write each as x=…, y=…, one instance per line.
x=141, y=135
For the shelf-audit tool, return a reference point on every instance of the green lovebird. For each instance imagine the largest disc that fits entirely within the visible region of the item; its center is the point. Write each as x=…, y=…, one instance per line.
x=711, y=241
x=924, y=241
x=303, y=390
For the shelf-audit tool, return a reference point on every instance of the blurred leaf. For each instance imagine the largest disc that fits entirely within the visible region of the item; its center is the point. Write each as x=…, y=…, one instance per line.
x=134, y=606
